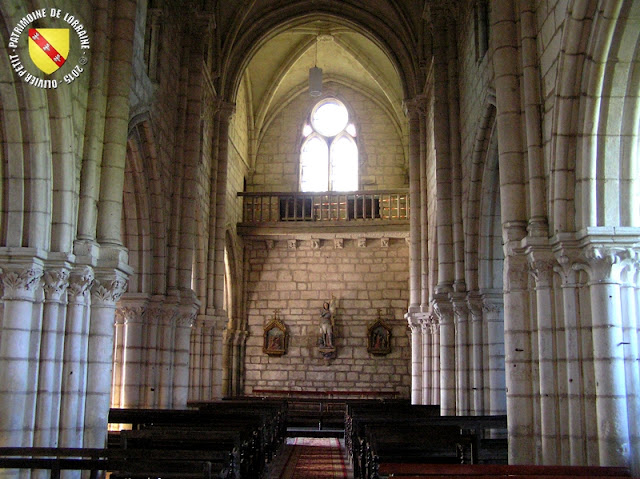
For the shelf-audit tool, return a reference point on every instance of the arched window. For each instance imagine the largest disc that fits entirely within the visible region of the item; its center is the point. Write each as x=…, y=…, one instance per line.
x=329, y=154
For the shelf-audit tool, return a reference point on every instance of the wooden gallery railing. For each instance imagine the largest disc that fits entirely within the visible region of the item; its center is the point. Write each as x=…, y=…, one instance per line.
x=325, y=206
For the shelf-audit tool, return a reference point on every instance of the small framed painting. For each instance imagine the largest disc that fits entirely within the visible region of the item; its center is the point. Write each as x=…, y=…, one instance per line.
x=379, y=338
x=276, y=337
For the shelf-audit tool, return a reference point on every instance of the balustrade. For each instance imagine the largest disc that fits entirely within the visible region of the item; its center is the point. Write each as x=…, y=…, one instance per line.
x=325, y=206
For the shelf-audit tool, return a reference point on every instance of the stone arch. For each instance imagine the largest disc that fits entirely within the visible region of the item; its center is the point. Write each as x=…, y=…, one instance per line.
x=249, y=35
x=490, y=255
x=27, y=162
x=484, y=135
x=595, y=149
x=143, y=218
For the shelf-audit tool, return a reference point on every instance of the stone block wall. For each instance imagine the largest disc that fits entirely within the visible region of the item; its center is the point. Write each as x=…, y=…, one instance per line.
x=296, y=278
x=380, y=145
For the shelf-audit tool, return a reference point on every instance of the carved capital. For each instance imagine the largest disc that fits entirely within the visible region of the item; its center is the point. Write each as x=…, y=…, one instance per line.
x=224, y=109
x=56, y=283
x=542, y=271
x=362, y=242
x=416, y=106
x=517, y=275
x=434, y=323
x=315, y=243
x=108, y=292
x=186, y=320
x=603, y=264
x=460, y=311
x=338, y=243
x=79, y=284
x=133, y=314
x=21, y=284
x=444, y=310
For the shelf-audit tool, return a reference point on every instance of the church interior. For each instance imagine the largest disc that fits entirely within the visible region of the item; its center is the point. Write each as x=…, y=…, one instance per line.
x=421, y=207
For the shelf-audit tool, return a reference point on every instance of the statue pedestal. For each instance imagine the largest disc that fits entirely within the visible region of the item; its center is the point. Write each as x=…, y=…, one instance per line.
x=327, y=352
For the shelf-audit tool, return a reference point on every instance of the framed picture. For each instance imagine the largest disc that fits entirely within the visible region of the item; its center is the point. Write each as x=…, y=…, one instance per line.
x=379, y=338
x=276, y=337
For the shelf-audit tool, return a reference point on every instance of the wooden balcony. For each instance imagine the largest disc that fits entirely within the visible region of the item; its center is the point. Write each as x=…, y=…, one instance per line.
x=324, y=211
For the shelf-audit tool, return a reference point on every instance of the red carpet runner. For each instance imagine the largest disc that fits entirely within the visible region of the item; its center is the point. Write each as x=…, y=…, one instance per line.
x=315, y=459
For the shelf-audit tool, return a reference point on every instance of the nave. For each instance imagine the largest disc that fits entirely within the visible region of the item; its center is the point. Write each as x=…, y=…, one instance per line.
x=280, y=438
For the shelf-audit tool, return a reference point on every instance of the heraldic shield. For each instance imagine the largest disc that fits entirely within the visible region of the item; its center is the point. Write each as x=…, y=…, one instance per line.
x=48, y=48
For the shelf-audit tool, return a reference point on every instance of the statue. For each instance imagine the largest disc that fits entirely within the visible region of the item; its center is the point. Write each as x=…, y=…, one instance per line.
x=327, y=323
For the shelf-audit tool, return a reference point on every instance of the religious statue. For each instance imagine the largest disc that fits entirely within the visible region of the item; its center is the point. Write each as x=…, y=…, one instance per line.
x=327, y=323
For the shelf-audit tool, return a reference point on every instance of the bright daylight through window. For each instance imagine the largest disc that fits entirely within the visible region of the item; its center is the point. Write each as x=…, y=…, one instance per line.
x=329, y=154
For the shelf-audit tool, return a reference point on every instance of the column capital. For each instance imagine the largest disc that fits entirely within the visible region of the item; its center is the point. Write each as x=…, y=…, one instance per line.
x=21, y=284
x=416, y=106
x=133, y=314
x=107, y=292
x=56, y=282
x=443, y=309
x=604, y=264
x=542, y=270
x=80, y=281
x=224, y=109
x=415, y=319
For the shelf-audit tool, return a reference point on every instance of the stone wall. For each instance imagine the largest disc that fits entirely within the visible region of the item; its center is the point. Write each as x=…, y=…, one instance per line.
x=380, y=145
x=296, y=279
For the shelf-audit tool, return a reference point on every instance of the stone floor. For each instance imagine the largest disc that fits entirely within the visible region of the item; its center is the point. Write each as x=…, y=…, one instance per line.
x=277, y=469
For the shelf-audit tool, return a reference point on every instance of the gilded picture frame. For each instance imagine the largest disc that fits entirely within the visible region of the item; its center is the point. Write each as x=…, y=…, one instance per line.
x=275, y=337
x=379, y=338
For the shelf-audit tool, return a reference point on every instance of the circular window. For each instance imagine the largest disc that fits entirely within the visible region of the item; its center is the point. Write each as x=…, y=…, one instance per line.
x=329, y=118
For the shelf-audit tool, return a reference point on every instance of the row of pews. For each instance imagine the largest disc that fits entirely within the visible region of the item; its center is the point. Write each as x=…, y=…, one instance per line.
x=218, y=440
x=393, y=439
x=236, y=439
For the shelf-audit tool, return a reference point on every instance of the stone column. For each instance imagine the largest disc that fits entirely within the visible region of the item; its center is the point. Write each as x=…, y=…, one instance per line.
x=225, y=113
x=20, y=287
x=104, y=295
x=415, y=260
x=118, y=359
x=575, y=383
x=504, y=43
x=427, y=362
x=518, y=361
x=434, y=328
x=74, y=368
x=493, y=313
x=461, y=325
x=542, y=271
x=181, y=359
x=416, y=359
x=152, y=357
x=444, y=310
x=133, y=359
x=630, y=311
x=476, y=362
x=165, y=345
x=50, y=367
x=604, y=267
x=117, y=123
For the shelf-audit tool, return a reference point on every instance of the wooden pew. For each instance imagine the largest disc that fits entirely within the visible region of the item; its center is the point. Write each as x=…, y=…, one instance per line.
x=431, y=444
x=165, y=464
x=486, y=471
x=414, y=417
x=244, y=435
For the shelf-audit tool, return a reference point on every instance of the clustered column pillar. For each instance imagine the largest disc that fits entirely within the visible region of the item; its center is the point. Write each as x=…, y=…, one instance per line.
x=104, y=295
x=51, y=348
x=417, y=245
x=19, y=296
x=75, y=359
x=604, y=267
